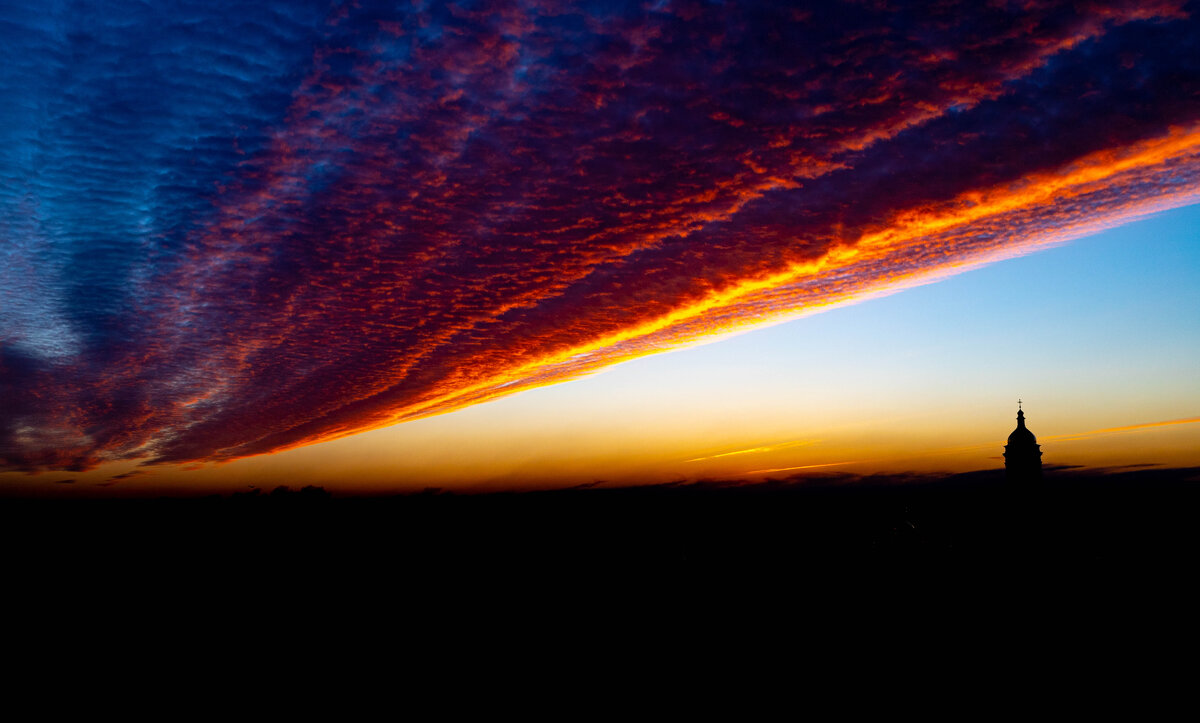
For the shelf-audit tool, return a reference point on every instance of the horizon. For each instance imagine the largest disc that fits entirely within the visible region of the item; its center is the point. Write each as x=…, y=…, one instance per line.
x=500, y=247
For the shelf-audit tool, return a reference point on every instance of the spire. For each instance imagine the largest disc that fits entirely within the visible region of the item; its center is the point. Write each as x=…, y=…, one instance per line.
x=1020, y=417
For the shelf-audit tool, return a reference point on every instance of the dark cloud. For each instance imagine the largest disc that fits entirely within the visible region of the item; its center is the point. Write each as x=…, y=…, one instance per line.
x=231, y=230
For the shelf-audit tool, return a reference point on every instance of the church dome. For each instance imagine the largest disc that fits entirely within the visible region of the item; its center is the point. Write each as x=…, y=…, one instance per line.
x=1022, y=454
x=1021, y=435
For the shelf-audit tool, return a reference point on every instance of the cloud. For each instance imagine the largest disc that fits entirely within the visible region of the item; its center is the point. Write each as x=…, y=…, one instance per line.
x=230, y=230
x=116, y=478
x=759, y=450
x=1115, y=430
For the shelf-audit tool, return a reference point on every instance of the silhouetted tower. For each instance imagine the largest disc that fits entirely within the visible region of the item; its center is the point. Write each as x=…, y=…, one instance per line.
x=1022, y=454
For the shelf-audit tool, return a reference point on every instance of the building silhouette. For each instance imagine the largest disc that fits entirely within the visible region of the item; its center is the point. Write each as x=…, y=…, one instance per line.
x=1022, y=454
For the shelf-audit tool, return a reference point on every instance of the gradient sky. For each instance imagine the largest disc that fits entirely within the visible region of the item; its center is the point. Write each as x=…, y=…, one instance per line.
x=240, y=245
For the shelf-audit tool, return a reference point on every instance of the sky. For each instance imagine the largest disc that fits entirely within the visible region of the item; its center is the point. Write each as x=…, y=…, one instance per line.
x=512, y=245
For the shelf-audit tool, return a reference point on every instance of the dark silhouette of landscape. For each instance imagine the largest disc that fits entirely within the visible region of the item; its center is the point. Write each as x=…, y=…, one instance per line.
x=1117, y=532
x=1076, y=518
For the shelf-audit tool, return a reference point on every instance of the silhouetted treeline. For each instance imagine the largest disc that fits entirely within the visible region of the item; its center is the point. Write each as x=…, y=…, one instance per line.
x=899, y=558
x=1137, y=516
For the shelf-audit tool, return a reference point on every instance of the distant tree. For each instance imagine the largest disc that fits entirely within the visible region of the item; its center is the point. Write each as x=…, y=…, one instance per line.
x=307, y=494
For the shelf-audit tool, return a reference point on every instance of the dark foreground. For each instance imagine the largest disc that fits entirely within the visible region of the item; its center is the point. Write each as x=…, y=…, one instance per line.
x=960, y=566
x=963, y=526
x=885, y=579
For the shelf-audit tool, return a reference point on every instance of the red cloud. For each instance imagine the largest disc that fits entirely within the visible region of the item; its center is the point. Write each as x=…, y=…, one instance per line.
x=464, y=206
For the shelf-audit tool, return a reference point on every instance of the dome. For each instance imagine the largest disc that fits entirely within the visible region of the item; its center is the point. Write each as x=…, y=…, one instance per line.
x=1021, y=435
x=1022, y=455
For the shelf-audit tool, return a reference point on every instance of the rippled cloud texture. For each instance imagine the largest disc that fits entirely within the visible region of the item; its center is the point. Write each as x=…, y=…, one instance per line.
x=233, y=228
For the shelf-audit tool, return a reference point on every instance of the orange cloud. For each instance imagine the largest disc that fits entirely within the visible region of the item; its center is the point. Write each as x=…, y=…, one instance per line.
x=1116, y=430
x=759, y=450
x=793, y=469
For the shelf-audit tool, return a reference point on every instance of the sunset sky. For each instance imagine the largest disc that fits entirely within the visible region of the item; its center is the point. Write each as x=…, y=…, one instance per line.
x=536, y=244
